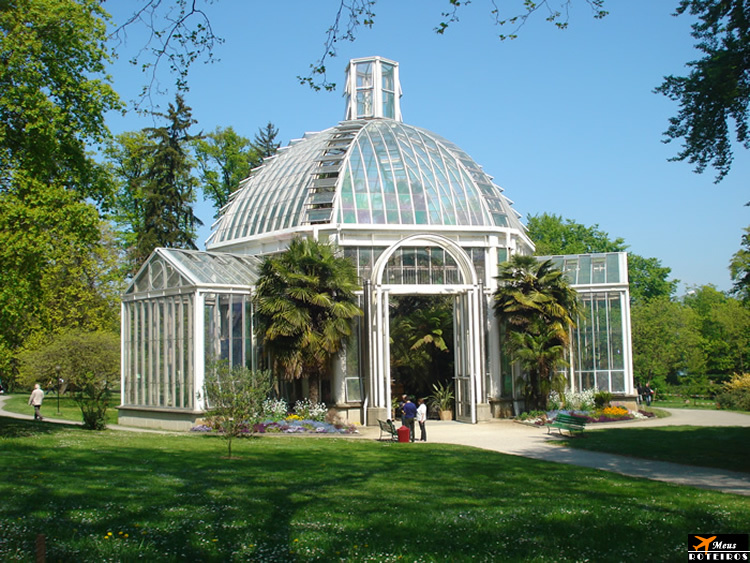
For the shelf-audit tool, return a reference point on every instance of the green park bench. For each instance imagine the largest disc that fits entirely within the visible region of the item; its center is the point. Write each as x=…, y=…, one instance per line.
x=567, y=422
x=388, y=429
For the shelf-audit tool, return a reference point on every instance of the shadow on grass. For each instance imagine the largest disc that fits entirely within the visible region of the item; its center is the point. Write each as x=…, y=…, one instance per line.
x=715, y=447
x=16, y=427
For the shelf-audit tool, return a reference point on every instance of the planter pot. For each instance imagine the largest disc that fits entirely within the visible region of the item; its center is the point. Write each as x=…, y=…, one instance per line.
x=446, y=415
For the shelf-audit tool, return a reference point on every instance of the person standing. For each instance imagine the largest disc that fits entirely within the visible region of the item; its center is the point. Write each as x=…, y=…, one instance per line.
x=35, y=400
x=421, y=419
x=410, y=412
x=400, y=408
x=648, y=394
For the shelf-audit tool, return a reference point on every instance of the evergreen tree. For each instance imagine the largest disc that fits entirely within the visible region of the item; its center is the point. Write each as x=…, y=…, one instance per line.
x=264, y=143
x=169, y=187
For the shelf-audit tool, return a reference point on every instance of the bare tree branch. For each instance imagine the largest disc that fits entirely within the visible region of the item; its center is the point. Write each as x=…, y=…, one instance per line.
x=179, y=32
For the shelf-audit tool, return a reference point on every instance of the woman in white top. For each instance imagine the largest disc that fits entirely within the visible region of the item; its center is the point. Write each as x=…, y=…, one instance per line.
x=421, y=419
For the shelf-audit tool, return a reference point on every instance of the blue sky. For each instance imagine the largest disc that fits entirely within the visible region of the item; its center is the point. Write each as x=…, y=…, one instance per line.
x=565, y=121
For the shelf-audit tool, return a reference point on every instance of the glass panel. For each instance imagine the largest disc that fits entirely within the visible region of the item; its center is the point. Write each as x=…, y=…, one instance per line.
x=618, y=382
x=615, y=332
x=584, y=273
x=602, y=381
x=389, y=108
x=364, y=75
x=364, y=103
x=502, y=255
x=353, y=390
x=598, y=270
x=613, y=268
x=387, y=73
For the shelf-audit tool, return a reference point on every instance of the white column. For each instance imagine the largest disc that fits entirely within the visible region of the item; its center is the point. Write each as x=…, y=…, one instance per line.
x=125, y=335
x=199, y=352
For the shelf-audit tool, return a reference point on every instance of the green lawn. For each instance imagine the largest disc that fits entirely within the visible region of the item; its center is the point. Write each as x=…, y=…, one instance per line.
x=68, y=409
x=722, y=447
x=123, y=496
x=676, y=402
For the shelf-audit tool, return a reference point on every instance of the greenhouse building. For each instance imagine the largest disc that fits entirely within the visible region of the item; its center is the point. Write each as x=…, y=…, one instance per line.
x=417, y=216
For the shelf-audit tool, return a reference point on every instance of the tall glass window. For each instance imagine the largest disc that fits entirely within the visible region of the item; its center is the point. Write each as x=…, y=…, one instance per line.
x=598, y=343
x=226, y=329
x=158, y=352
x=389, y=94
x=364, y=90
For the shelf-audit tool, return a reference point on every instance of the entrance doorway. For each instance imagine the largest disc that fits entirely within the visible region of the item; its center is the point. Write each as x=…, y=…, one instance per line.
x=422, y=345
x=425, y=267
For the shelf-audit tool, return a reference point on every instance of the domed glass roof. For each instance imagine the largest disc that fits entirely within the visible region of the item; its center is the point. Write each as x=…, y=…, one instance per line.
x=365, y=172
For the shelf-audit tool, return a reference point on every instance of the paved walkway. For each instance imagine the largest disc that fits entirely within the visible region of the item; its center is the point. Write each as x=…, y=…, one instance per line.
x=512, y=438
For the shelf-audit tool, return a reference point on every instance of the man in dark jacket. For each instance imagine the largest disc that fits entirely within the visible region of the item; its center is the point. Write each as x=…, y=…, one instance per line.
x=410, y=412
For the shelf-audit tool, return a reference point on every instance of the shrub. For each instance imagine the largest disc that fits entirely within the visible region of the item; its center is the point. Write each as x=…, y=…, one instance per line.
x=602, y=399
x=235, y=397
x=735, y=394
x=92, y=397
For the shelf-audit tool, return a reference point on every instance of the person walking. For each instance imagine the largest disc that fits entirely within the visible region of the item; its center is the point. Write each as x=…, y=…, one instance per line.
x=410, y=412
x=421, y=419
x=35, y=400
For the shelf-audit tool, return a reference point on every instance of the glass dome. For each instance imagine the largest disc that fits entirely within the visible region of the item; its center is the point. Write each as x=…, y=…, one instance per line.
x=365, y=172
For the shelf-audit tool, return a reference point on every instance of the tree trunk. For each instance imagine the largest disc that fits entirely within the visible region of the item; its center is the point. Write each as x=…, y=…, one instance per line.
x=314, y=384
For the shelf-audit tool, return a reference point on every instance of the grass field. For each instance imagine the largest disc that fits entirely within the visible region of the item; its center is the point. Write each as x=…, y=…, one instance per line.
x=121, y=496
x=722, y=447
x=68, y=409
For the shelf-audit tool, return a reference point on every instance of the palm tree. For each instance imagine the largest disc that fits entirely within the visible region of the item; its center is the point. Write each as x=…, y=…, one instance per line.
x=421, y=328
x=305, y=304
x=538, y=308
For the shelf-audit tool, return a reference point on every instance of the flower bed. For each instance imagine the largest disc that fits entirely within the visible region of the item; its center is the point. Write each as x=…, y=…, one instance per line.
x=298, y=426
x=307, y=418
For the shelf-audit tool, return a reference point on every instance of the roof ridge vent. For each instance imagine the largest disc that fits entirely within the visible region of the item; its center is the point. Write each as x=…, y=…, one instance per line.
x=373, y=89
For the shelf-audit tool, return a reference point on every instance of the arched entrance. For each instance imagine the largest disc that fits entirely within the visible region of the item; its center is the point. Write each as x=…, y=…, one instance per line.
x=426, y=265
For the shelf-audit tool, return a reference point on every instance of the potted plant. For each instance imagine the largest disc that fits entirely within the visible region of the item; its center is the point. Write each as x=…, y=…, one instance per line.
x=442, y=399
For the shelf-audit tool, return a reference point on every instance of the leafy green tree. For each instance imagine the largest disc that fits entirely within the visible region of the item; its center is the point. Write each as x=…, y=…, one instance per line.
x=169, y=186
x=739, y=269
x=54, y=94
x=716, y=92
x=129, y=156
x=725, y=328
x=235, y=397
x=538, y=308
x=306, y=304
x=666, y=339
x=225, y=159
x=554, y=235
x=649, y=279
x=57, y=270
x=89, y=364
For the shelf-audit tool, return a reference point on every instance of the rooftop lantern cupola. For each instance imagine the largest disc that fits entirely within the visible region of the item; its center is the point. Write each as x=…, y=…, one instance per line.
x=372, y=89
